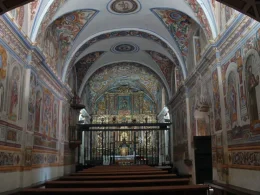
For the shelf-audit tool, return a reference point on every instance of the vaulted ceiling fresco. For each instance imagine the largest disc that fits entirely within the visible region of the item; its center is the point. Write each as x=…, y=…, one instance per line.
x=64, y=30
x=67, y=32
x=84, y=64
x=166, y=65
x=178, y=24
x=127, y=33
x=124, y=73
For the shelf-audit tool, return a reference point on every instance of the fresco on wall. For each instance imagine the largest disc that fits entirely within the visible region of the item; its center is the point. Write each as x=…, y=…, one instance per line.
x=3, y=62
x=196, y=7
x=47, y=113
x=84, y=64
x=123, y=33
x=14, y=94
x=55, y=113
x=178, y=24
x=252, y=82
x=164, y=63
x=18, y=15
x=31, y=103
x=65, y=29
x=34, y=8
x=128, y=73
x=217, y=106
x=38, y=105
x=180, y=132
x=124, y=105
x=231, y=100
x=54, y=7
x=124, y=101
x=197, y=49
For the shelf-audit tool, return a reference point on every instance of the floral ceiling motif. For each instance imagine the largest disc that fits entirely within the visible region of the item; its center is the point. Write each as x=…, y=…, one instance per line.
x=178, y=24
x=195, y=6
x=124, y=33
x=84, y=64
x=165, y=64
x=124, y=6
x=47, y=19
x=65, y=29
x=124, y=73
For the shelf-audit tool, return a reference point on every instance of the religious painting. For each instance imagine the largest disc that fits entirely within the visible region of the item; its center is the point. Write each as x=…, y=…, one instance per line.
x=31, y=103
x=28, y=157
x=65, y=29
x=3, y=62
x=47, y=113
x=239, y=62
x=38, y=104
x=216, y=98
x=101, y=106
x=232, y=98
x=65, y=122
x=14, y=94
x=2, y=100
x=202, y=127
x=124, y=105
x=124, y=6
x=55, y=119
x=197, y=49
x=33, y=8
x=165, y=64
x=258, y=40
x=178, y=24
x=252, y=82
x=18, y=15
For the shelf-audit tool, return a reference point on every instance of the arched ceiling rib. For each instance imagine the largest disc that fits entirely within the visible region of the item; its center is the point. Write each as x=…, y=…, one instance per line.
x=108, y=58
x=123, y=73
x=122, y=33
x=106, y=20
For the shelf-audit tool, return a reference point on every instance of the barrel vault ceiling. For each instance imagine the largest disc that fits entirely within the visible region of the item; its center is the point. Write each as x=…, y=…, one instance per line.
x=80, y=37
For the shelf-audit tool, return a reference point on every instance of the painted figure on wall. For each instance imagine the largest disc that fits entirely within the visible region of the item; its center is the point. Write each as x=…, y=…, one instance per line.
x=239, y=61
x=14, y=96
x=55, y=120
x=3, y=63
x=38, y=111
x=31, y=103
x=47, y=113
x=252, y=82
x=216, y=96
x=232, y=97
x=2, y=91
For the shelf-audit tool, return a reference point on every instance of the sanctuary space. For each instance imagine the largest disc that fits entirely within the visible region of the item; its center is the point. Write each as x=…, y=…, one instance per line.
x=130, y=97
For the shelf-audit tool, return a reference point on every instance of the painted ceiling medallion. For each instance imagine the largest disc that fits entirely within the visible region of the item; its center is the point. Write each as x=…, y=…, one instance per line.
x=124, y=6
x=125, y=48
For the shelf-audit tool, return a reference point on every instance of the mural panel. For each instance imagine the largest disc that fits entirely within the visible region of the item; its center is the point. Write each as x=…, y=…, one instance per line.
x=31, y=103
x=178, y=24
x=216, y=98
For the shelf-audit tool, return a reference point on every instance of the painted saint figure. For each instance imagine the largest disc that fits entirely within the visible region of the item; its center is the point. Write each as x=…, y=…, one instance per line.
x=14, y=95
x=253, y=81
x=38, y=110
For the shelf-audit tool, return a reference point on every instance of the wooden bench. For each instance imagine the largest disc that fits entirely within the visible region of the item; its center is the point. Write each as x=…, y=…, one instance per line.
x=117, y=183
x=120, y=173
x=117, y=170
x=120, y=177
x=151, y=190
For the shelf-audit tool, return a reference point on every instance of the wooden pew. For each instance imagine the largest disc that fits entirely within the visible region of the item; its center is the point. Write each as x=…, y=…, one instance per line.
x=151, y=190
x=118, y=177
x=119, y=173
x=117, y=183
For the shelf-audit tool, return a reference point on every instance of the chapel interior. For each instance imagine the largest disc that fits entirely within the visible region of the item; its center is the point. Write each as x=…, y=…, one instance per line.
x=137, y=96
